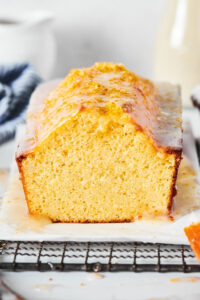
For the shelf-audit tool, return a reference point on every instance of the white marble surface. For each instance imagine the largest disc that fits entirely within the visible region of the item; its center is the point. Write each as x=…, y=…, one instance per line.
x=113, y=286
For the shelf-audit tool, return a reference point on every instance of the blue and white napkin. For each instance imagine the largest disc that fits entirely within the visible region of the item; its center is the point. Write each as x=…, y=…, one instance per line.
x=17, y=82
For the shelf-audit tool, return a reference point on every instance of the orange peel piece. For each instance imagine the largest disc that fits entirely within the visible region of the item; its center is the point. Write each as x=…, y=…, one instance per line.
x=193, y=234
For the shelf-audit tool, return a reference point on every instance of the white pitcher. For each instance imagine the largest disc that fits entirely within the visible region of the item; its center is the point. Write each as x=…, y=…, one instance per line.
x=177, y=55
x=27, y=37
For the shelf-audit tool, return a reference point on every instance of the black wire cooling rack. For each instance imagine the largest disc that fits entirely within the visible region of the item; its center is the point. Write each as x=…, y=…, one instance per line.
x=96, y=257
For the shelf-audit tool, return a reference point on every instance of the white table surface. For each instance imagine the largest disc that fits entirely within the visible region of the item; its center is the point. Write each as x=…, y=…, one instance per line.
x=113, y=286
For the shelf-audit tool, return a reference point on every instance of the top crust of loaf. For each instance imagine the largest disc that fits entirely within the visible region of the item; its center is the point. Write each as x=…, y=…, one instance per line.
x=154, y=108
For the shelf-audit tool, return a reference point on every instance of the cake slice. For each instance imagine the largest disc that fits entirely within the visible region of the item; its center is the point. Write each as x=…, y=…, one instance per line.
x=103, y=146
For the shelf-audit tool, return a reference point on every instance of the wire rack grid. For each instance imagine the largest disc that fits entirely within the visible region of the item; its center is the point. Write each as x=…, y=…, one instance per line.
x=96, y=257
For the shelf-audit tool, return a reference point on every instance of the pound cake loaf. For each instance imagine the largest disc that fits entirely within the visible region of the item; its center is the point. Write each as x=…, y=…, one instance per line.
x=102, y=146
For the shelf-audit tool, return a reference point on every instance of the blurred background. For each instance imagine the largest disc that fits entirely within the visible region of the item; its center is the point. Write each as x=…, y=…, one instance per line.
x=157, y=39
x=87, y=31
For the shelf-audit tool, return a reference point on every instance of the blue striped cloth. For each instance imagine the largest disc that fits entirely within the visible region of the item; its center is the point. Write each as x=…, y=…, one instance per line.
x=17, y=82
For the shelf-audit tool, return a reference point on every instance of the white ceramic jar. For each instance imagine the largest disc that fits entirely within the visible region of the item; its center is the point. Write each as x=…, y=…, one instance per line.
x=27, y=37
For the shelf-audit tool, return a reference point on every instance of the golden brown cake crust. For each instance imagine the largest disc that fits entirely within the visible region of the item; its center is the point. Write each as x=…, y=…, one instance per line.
x=149, y=105
x=152, y=107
